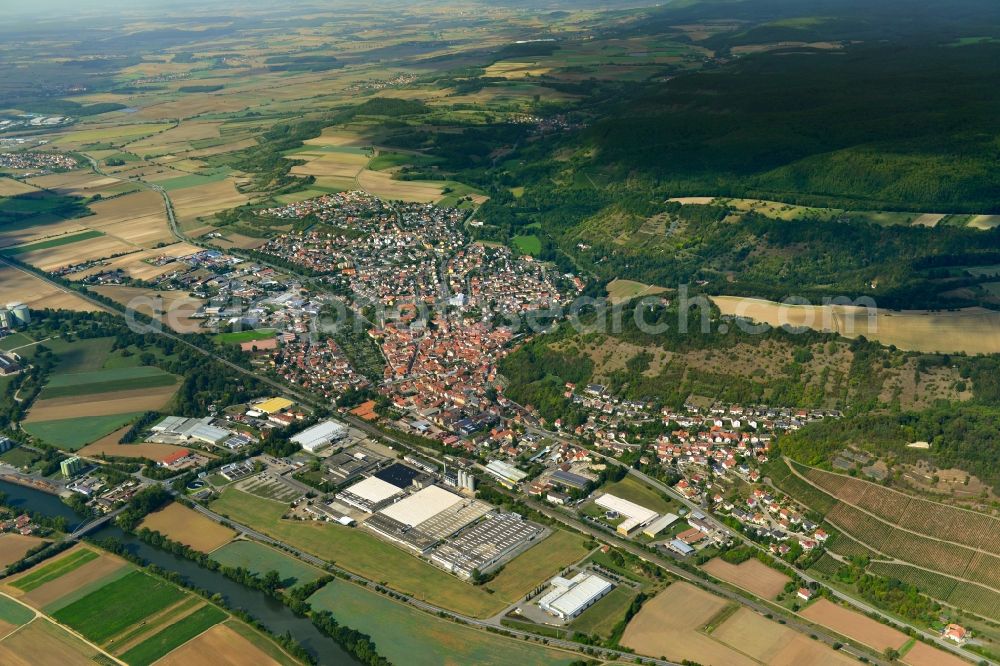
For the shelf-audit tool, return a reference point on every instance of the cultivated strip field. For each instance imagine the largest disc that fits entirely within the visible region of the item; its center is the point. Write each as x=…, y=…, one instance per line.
x=669, y=625
x=219, y=646
x=751, y=575
x=854, y=625
x=16, y=285
x=773, y=644
x=189, y=527
x=125, y=611
x=15, y=546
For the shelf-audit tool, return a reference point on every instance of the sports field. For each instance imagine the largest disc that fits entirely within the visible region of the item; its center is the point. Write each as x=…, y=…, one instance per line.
x=360, y=552
x=407, y=636
x=189, y=527
x=260, y=559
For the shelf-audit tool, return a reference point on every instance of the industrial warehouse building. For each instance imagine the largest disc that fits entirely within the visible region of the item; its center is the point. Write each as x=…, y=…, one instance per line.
x=320, y=436
x=635, y=515
x=570, y=597
x=426, y=517
x=660, y=524
x=178, y=430
x=370, y=494
x=485, y=543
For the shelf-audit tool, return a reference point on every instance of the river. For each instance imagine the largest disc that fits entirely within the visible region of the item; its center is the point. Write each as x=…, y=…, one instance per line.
x=271, y=613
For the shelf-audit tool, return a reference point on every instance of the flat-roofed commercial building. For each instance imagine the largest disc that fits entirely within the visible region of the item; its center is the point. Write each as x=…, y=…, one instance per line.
x=370, y=495
x=570, y=597
x=635, y=515
x=485, y=544
x=320, y=435
x=660, y=524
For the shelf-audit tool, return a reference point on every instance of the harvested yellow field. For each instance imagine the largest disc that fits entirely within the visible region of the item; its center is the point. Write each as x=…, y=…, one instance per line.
x=985, y=222
x=15, y=546
x=381, y=184
x=332, y=137
x=116, y=134
x=189, y=527
x=189, y=106
x=109, y=446
x=774, y=644
x=928, y=219
x=18, y=285
x=670, y=625
x=43, y=643
x=854, y=625
x=139, y=218
x=103, y=404
x=51, y=258
x=343, y=165
x=969, y=330
x=191, y=203
x=701, y=201
x=219, y=646
x=27, y=235
x=10, y=187
x=79, y=183
x=752, y=575
x=516, y=70
x=181, y=134
x=922, y=654
x=222, y=148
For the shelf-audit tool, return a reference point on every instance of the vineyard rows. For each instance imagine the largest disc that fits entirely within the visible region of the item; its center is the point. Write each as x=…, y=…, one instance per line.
x=931, y=518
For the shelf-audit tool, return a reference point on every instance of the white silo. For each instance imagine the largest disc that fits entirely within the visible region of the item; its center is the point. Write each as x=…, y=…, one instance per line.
x=20, y=312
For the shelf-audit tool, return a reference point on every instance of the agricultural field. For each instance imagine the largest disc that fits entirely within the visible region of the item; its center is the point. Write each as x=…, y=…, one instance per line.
x=854, y=625
x=537, y=564
x=109, y=445
x=969, y=330
x=601, y=618
x=405, y=635
x=636, y=491
x=54, y=242
x=774, y=644
x=359, y=552
x=172, y=307
x=151, y=618
x=936, y=520
x=225, y=644
x=18, y=285
x=751, y=575
x=84, y=400
x=260, y=559
x=13, y=547
x=43, y=642
x=10, y=187
x=179, y=523
x=670, y=625
x=622, y=291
